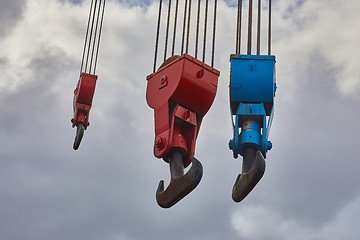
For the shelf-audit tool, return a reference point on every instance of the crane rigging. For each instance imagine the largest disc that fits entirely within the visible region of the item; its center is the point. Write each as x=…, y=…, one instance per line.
x=252, y=91
x=181, y=92
x=85, y=88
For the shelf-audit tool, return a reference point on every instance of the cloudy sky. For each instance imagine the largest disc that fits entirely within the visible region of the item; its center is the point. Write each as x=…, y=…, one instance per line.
x=106, y=189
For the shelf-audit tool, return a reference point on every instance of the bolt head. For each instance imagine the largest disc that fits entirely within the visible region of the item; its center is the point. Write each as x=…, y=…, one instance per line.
x=160, y=143
x=268, y=145
x=231, y=144
x=187, y=114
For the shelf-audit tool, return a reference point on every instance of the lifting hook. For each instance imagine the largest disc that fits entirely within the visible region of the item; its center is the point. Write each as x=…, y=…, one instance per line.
x=180, y=185
x=79, y=135
x=252, y=171
x=83, y=96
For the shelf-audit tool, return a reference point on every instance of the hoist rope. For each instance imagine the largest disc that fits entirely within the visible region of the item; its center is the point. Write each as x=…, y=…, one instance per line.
x=258, y=28
x=238, y=29
x=157, y=35
x=269, y=29
x=188, y=28
x=98, y=44
x=214, y=33
x=197, y=29
x=175, y=25
x=205, y=29
x=167, y=30
x=95, y=34
x=184, y=27
x=86, y=37
x=91, y=34
x=249, y=27
x=249, y=30
x=92, y=37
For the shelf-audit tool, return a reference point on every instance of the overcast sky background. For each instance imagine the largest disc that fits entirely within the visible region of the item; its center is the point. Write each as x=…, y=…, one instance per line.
x=106, y=189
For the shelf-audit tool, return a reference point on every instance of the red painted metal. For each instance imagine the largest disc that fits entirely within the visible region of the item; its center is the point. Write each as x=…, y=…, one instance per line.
x=83, y=96
x=181, y=93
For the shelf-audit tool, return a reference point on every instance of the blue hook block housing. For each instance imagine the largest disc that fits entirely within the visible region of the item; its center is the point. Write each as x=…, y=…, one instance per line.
x=252, y=92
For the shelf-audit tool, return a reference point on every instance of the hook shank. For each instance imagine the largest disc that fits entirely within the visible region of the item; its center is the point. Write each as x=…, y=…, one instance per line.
x=79, y=135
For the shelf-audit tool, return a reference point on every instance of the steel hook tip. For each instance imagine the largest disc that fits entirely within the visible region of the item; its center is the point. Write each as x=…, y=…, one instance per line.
x=179, y=186
x=79, y=135
x=252, y=171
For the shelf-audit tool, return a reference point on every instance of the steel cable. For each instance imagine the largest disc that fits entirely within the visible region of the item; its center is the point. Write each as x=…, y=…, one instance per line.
x=197, y=29
x=100, y=31
x=188, y=28
x=205, y=29
x=167, y=30
x=249, y=27
x=238, y=29
x=214, y=33
x=184, y=27
x=269, y=29
x=86, y=37
x=157, y=35
x=175, y=25
x=95, y=37
x=90, y=37
x=258, y=28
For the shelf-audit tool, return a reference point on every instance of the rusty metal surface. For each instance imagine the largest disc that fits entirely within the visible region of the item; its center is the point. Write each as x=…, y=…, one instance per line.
x=252, y=171
x=180, y=185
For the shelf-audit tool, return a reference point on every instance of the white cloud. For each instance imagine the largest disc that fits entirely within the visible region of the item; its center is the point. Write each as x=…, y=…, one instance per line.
x=257, y=222
x=324, y=28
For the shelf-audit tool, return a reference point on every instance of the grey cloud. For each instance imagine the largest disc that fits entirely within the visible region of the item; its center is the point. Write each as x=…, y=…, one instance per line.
x=10, y=13
x=106, y=189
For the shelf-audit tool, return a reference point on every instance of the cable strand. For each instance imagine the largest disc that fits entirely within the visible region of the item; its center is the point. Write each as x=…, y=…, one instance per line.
x=95, y=36
x=157, y=35
x=214, y=34
x=100, y=31
x=205, y=29
x=249, y=27
x=175, y=25
x=167, y=30
x=86, y=38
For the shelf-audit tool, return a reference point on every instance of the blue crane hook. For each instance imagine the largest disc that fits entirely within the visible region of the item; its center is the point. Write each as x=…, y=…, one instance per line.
x=252, y=92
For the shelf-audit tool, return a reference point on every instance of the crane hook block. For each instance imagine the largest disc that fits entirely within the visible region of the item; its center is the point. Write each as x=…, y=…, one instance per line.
x=252, y=92
x=181, y=92
x=83, y=96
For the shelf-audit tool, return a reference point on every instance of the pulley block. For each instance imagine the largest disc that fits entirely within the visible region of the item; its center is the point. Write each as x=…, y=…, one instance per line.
x=83, y=96
x=252, y=92
x=181, y=92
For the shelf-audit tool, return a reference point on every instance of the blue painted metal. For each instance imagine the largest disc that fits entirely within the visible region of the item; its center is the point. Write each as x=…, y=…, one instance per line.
x=252, y=92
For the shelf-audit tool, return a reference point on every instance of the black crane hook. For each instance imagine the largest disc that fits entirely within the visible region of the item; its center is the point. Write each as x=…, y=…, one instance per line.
x=180, y=185
x=79, y=135
x=252, y=171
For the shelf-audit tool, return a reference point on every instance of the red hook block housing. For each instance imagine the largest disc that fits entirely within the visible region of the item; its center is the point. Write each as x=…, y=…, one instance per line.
x=83, y=96
x=181, y=93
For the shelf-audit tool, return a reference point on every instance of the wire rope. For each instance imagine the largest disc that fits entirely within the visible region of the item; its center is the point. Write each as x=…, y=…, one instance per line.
x=214, y=34
x=175, y=25
x=167, y=30
x=258, y=28
x=249, y=27
x=157, y=35
x=100, y=31
x=205, y=29
x=197, y=28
